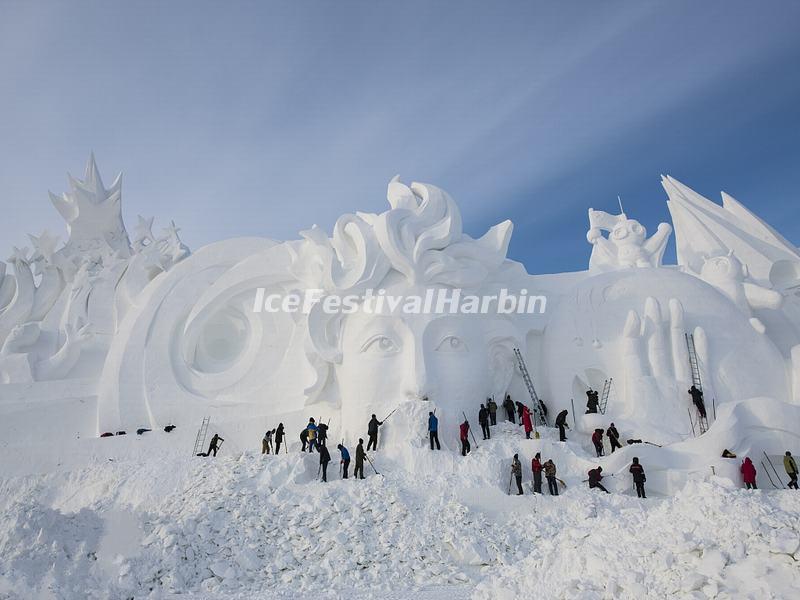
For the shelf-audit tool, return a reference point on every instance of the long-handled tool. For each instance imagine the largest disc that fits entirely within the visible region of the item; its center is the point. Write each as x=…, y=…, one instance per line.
x=370, y=464
x=470, y=429
x=387, y=416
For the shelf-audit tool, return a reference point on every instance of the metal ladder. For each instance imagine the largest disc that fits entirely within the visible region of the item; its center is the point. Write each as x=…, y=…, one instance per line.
x=702, y=422
x=200, y=440
x=606, y=393
x=537, y=407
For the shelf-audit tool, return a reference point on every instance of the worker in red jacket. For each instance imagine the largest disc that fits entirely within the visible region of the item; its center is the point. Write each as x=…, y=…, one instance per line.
x=536, y=467
x=749, y=474
x=597, y=440
x=526, y=421
x=464, y=436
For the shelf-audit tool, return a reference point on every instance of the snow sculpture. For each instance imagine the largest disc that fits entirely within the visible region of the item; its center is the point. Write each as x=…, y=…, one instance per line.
x=705, y=229
x=356, y=364
x=93, y=213
x=728, y=275
x=159, y=334
x=74, y=296
x=21, y=360
x=627, y=245
x=744, y=258
x=20, y=292
x=375, y=361
x=641, y=316
x=51, y=279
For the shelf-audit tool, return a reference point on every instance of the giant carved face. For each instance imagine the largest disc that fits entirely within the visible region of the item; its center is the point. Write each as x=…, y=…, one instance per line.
x=377, y=360
x=451, y=361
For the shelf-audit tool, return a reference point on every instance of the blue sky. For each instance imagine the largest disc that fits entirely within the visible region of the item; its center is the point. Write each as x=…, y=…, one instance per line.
x=261, y=118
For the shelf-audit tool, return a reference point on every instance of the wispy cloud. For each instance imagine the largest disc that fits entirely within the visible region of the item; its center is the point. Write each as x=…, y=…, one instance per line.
x=258, y=119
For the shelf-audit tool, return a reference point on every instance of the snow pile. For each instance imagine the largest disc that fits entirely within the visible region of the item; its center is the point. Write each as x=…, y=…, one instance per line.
x=433, y=523
x=243, y=528
x=48, y=552
x=709, y=540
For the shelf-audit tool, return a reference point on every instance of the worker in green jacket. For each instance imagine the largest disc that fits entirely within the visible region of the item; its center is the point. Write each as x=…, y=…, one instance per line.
x=791, y=469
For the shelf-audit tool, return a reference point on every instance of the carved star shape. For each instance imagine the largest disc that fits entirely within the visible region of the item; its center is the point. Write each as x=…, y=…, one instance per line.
x=144, y=228
x=45, y=245
x=19, y=255
x=172, y=230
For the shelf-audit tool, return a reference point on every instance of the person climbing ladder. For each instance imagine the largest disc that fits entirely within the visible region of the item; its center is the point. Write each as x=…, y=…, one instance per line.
x=697, y=398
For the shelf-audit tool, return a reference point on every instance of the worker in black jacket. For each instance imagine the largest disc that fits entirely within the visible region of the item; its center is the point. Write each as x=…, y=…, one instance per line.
x=324, y=459
x=561, y=423
x=637, y=471
x=483, y=419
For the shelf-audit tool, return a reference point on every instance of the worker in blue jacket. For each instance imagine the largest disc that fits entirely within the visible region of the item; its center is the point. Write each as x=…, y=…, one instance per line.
x=311, y=428
x=433, y=430
x=345, y=461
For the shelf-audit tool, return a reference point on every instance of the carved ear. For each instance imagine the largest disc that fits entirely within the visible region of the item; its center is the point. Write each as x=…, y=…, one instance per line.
x=325, y=333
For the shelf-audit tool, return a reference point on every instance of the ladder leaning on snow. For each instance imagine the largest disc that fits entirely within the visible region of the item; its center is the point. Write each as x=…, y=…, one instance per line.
x=694, y=365
x=200, y=440
x=537, y=406
x=606, y=393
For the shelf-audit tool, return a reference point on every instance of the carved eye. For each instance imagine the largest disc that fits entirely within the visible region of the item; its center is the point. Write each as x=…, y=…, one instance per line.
x=636, y=228
x=380, y=345
x=619, y=233
x=451, y=343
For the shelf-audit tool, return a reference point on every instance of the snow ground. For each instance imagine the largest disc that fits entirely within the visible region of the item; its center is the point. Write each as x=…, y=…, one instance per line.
x=137, y=517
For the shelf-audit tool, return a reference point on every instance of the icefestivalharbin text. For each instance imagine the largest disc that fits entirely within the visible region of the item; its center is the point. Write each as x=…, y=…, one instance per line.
x=438, y=301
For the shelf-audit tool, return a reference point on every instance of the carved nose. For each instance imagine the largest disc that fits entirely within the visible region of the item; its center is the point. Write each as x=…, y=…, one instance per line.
x=417, y=381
